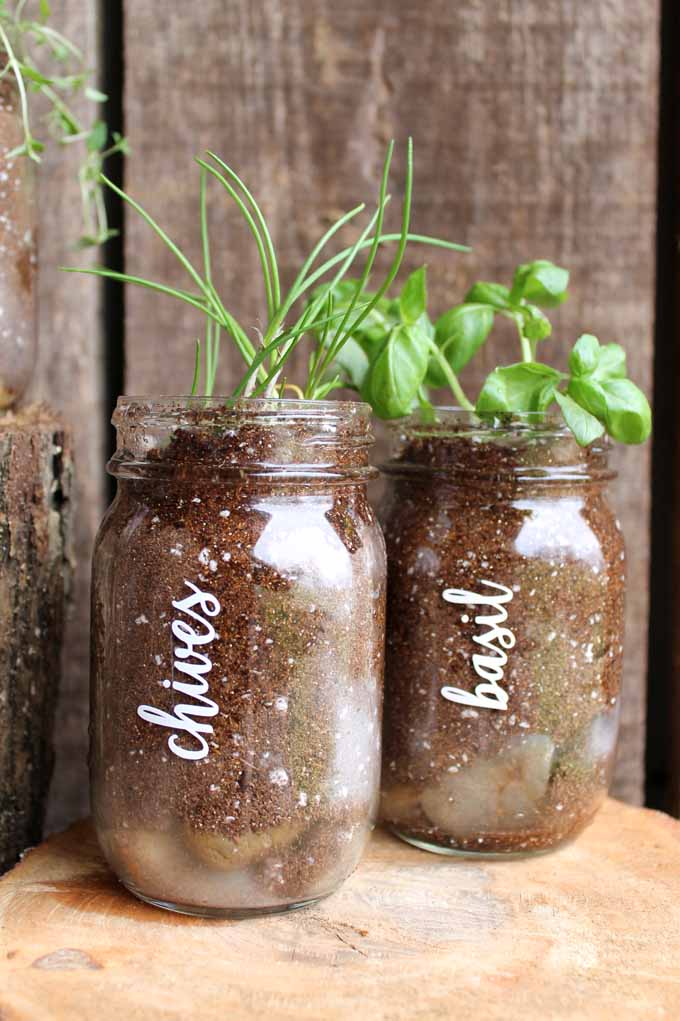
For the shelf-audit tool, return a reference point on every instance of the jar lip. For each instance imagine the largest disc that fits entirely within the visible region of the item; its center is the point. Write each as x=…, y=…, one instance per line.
x=227, y=437
x=525, y=446
x=497, y=422
x=302, y=406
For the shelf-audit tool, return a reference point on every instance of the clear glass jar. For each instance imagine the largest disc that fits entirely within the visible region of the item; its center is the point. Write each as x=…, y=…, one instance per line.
x=504, y=634
x=18, y=228
x=238, y=634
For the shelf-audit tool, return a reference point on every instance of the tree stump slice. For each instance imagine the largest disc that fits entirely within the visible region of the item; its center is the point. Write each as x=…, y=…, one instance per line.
x=589, y=932
x=35, y=569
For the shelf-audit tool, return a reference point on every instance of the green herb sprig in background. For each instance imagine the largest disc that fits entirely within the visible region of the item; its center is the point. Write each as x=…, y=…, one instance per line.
x=42, y=61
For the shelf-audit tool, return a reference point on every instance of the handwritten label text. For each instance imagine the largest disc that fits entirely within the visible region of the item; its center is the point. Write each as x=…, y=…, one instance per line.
x=189, y=717
x=488, y=694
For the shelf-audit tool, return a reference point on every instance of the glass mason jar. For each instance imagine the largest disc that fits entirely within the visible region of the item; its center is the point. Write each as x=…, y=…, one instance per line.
x=18, y=305
x=237, y=653
x=504, y=634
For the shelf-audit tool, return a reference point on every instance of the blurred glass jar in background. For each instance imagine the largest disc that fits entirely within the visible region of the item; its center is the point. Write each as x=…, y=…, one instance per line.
x=18, y=228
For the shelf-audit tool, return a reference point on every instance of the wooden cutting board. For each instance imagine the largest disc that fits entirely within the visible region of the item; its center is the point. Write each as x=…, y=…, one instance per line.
x=589, y=932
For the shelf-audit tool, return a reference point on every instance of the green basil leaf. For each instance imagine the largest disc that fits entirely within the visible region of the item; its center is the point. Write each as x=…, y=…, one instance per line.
x=629, y=417
x=352, y=363
x=398, y=372
x=486, y=293
x=536, y=325
x=611, y=363
x=373, y=329
x=590, y=395
x=585, y=355
x=525, y=386
x=393, y=310
x=541, y=282
x=423, y=324
x=459, y=333
x=584, y=426
x=413, y=297
x=426, y=325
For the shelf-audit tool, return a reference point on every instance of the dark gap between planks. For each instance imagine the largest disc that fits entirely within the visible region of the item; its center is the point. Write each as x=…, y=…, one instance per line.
x=112, y=63
x=663, y=696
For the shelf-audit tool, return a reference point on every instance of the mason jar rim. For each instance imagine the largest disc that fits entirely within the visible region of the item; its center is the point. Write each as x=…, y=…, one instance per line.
x=522, y=431
x=499, y=421
x=264, y=403
x=311, y=435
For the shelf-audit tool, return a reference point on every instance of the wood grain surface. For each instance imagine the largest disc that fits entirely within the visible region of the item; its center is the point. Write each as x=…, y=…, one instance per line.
x=35, y=574
x=70, y=376
x=589, y=932
x=535, y=136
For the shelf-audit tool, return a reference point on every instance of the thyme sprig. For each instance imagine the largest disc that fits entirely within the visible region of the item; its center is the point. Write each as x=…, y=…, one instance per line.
x=43, y=61
x=306, y=308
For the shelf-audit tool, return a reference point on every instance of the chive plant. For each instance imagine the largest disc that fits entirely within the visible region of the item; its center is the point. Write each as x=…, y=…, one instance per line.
x=44, y=62
x=396, y=354
x=307, y=309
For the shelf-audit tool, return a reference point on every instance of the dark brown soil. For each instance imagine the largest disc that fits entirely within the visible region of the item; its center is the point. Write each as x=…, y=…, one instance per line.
x=527, y=513
x=279, y=809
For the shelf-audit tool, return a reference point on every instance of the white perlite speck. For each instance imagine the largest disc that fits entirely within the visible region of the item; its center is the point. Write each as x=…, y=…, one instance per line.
x=278, y=777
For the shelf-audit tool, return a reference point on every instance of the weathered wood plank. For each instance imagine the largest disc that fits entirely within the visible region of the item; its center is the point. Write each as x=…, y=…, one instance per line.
x=35, y=572
x=590, y=932
x=70, y=375
x=534, y=134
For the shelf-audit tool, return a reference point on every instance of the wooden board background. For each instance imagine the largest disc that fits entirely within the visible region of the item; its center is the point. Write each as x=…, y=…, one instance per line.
x=70, y=376
x=535, y=136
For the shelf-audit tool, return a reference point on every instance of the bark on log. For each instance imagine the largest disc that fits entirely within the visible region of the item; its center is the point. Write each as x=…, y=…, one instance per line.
x=35, y=570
